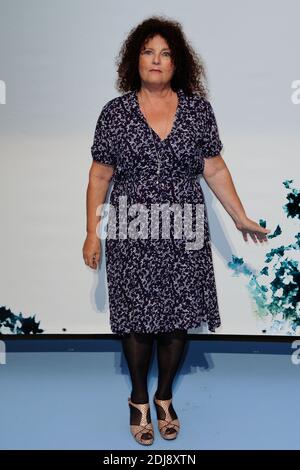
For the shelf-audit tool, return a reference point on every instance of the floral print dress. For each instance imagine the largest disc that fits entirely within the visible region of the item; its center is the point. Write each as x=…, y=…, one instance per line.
x=156, y=284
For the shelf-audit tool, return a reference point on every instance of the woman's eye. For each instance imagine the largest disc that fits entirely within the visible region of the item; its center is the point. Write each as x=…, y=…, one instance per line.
x=164, y=53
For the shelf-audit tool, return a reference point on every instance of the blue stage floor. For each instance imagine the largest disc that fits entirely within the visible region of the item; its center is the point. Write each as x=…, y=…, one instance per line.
x=78, y=400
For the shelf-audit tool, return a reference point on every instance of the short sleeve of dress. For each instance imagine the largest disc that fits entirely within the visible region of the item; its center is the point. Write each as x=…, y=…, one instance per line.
x=102, y=149
x=210, y=143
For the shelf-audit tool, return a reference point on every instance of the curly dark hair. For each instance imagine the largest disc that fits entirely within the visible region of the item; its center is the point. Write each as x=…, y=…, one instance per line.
x=189, y=74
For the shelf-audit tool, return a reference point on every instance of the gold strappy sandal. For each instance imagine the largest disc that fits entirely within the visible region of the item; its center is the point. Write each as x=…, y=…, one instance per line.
x=142, y=432
x=167, y=420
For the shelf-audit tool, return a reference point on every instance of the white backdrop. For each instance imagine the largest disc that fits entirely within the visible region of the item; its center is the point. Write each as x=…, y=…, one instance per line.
x=58, y=70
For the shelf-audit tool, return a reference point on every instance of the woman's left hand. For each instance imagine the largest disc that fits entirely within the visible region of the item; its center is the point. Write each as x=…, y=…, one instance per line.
x=256, y=231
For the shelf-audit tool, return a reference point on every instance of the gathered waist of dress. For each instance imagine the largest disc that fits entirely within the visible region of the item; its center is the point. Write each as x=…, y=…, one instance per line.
x=123, y=177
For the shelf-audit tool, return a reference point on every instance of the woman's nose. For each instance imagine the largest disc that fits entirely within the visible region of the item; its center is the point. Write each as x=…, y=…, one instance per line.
x=156, y=60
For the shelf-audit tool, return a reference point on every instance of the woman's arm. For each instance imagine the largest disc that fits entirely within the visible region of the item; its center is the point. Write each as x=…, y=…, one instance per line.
x=218, y=178
x=99, y=179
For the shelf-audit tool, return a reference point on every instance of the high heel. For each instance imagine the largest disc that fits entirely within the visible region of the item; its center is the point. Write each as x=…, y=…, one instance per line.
x=143, y=432
x=167, y=420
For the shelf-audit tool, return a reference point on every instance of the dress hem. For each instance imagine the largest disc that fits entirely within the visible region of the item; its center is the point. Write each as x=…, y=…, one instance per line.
x=211, y=327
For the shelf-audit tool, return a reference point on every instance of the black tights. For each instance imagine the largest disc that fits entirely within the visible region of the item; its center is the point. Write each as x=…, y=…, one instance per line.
x=138, y=348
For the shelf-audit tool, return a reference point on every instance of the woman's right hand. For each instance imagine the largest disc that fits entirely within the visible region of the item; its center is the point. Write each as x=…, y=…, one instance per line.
x=92, y=251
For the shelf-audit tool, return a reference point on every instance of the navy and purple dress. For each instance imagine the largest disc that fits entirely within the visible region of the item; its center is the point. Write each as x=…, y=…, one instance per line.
x=154, y=283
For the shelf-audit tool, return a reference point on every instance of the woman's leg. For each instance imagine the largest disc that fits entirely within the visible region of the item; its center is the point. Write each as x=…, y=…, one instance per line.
x=137, y=348
x=170, y=348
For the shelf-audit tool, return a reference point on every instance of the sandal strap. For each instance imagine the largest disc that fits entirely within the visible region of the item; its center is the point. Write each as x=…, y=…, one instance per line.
x=169, y=424
x=144, y=430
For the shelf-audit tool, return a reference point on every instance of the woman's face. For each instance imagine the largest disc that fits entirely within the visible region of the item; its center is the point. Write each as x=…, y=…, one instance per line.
x=155, y=62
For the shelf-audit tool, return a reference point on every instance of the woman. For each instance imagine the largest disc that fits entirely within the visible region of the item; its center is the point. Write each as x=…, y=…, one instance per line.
x=153, y=141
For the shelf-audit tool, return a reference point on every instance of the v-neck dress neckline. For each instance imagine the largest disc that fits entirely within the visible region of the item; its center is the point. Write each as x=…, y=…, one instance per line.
x=175, y=121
